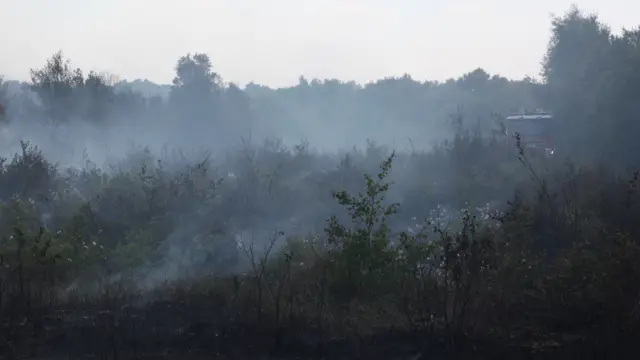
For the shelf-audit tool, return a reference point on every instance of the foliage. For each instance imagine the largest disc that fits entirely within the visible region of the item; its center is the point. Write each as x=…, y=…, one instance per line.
x=364, y=251
x=517, y=250
x=600, y=118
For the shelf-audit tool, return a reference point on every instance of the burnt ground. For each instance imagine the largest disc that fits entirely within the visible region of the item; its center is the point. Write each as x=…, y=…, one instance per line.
x=170, y=330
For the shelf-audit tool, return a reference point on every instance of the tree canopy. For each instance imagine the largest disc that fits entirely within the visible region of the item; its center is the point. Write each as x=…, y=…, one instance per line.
x=589, y=80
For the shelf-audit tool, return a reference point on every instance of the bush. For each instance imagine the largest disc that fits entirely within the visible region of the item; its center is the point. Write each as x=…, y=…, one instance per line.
x=557, y=265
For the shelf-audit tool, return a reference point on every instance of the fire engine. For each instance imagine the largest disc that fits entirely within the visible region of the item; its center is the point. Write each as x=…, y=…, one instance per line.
x=535, y=130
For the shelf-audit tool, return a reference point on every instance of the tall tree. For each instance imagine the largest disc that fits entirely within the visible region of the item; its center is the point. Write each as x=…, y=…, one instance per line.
x=620, y=88
x=99, y=97
x=238, y=116
x=195, y=93
x=3, y=100
x=56, y=84
x=592, y=82
x=574, y=70
x=195, y=80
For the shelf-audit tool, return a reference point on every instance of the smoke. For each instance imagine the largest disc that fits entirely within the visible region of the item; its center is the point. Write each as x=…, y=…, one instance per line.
x=225, y=186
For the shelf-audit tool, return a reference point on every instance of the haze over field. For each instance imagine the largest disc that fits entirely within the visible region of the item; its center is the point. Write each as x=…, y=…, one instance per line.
x=135, y=45
x=330, y=179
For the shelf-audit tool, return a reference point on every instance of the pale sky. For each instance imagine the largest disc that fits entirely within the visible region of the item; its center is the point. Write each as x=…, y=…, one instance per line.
x=273, y=42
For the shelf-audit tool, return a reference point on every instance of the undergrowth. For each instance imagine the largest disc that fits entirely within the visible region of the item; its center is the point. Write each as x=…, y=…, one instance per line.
x=143, y=257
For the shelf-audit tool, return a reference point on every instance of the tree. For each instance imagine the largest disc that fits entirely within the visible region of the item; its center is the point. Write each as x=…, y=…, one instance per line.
x=195, y=77
x=303, y=82
x=238, y=116
x=621, y=89
x=578, y=42
x=592, y=82
x=476, y=80
x=196, y=88
x=56, y=85
x=3, y=99
x=3, y=116
x=99, y=95
x=573, y=70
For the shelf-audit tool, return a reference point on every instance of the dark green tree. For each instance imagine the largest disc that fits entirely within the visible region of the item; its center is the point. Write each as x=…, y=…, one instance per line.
x=573, y=71
x=3, y=100
x=196, y=91
x=238, y=116
x=56, y=85
x=99, y=97
x=195, y=79
x=592, y=82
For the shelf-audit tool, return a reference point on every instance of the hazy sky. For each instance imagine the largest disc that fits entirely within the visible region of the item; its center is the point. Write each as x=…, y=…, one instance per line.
x=274, y=42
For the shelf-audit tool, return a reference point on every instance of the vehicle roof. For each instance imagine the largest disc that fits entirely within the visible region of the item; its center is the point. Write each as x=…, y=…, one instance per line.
x=529, y=116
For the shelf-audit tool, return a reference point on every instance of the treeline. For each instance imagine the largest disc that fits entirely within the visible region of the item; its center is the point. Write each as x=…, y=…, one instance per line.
x=58, y=94
x=590, y=80
x=311, y=109
x=387, y=110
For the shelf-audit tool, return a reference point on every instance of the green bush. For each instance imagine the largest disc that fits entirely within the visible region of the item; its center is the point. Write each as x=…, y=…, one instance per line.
x=558, y=261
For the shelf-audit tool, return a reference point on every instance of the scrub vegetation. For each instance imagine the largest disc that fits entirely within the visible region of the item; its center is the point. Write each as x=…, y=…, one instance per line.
x=191, y=221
